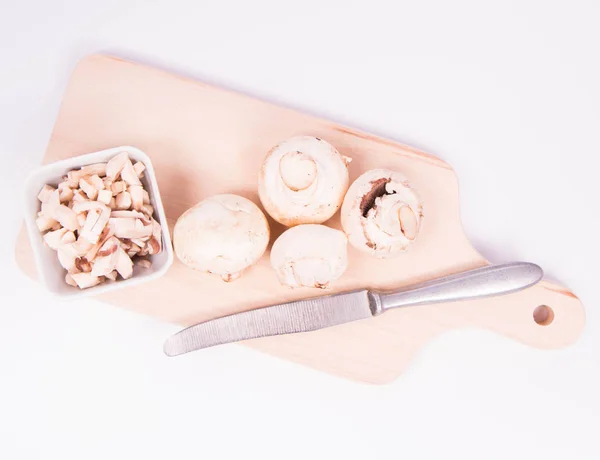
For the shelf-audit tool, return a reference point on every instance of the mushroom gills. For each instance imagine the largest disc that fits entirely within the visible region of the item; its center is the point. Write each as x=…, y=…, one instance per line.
x=381, y=213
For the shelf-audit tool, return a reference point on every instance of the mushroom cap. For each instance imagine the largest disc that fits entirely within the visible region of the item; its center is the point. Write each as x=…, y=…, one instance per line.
x=303, y=181
x=309, y=255
x=223, y=234
x=381, y=213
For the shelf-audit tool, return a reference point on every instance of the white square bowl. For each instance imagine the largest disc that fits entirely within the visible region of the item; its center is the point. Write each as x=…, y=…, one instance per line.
x=51, y=273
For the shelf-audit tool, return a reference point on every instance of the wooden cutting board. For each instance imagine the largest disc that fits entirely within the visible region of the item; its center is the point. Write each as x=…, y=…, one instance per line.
x=205, y=140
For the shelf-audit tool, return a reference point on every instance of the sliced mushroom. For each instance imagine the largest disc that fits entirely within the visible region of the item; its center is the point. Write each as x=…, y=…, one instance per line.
x=381, y=214
x=309, y=255
x=86, y=280
x=223, y=234
x=146, y=197
x=303, y=180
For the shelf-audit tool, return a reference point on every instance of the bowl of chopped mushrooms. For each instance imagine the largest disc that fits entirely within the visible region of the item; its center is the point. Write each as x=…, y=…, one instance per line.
x=96, y=223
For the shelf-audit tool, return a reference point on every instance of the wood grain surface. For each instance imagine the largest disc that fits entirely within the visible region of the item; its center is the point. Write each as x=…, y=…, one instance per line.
x=205, y=140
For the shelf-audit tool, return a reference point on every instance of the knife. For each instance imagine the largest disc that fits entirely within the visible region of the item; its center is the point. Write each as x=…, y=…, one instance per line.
x=332, y=310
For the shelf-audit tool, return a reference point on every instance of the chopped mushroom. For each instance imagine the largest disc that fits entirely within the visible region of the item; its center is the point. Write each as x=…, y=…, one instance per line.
x=45, y=223
x=137, y=197
x=67, y=254
x=129, y=228
x=70, y=281
x=95, y=222
x=107, y=257
x=90, y=170
x=128, y=174
x=68, y=237
x=97, y=219
x=118, y=187
x=139, y=168
x=53, y=239
x=148, y=209
x=62, y=214
x=88, y=188
x=124, y=264
x=66, y=194
x=123, y=200
x=96, y=182
x=78, y=196
x=45, y=193
x=104, y=196
x=86, y=280
x=115, y=165
x=134, y=214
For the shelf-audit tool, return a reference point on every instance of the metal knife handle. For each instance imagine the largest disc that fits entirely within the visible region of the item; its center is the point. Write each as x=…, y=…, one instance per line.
x=482, y=282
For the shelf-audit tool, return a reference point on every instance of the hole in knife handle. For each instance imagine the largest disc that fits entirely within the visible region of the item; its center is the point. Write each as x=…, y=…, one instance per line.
x=543, y=315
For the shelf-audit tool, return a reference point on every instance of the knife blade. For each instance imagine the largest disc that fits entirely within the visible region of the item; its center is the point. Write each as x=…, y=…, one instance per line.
x=331, y=310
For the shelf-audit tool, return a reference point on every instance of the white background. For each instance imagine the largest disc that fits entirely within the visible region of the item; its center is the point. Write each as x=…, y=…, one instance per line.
x=508, y=92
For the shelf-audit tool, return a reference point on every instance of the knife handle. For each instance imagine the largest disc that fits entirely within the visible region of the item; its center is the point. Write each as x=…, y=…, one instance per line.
x=488, y=281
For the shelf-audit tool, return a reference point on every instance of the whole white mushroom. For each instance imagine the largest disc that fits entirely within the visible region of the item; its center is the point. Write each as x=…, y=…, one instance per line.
x=309, y=255
x=223, y=234
x=381, y=213
x=303, y=181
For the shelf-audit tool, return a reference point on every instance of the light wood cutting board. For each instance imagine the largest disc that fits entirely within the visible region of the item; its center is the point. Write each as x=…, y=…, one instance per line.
x=205, y=140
